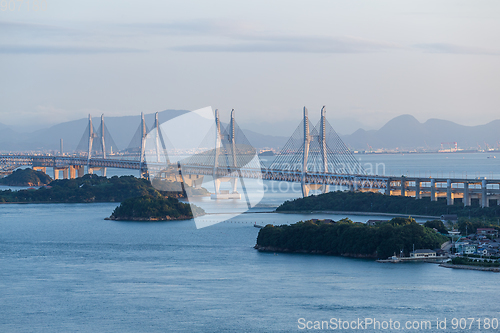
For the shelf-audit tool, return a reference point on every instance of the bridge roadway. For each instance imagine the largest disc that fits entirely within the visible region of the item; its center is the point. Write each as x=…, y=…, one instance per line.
x=485, y=190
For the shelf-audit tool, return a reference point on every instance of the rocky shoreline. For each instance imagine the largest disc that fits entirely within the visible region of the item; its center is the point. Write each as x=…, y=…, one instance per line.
x=149, y=219
x=281, y=250
x=473, y=268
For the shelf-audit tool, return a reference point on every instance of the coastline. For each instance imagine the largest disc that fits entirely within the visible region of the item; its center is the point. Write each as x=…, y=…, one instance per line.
x=473, y=268
x=281, y=250
x=356, y=213
x=148, y=219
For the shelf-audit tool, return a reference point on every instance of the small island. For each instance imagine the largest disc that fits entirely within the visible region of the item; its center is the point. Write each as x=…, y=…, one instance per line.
x=26, y=177
x=379, y=203
x=350, y=239
x=93, y=188
x=154, y=208
x=140, y=201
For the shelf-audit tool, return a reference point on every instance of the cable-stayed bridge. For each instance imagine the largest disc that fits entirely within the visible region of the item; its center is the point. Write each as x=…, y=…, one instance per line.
x=314, y=156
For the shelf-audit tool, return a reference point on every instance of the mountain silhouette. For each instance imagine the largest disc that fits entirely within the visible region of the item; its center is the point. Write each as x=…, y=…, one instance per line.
x=403, y=132
x=406, y=132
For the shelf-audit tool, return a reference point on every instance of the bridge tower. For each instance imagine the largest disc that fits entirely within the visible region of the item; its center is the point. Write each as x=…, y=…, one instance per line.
x=91, y=139
x=217, y=151
x=315, y=155
x=305, y=154
x=324, y=155
x=157, y=138
x=102, y=137
x=101, y=145
x=308, y=138
x=144, y=133
x=228, y=145
x=234, y=181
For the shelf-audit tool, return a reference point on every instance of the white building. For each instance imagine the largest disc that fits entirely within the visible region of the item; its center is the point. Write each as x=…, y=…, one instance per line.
x=423, y=253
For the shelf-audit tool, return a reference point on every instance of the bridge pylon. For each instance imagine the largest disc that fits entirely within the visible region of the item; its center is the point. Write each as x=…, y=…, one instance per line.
x=94, y=144
x=93, y=136
x=315, y=152
x=137, y=146
x=307, y=147
x=229, y=151
x=305, y=154
x=144, y=133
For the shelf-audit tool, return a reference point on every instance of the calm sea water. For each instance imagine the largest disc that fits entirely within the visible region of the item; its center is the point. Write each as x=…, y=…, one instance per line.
x=65, y=269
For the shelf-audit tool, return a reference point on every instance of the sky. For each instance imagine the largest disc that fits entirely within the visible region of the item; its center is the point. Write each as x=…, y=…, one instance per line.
x=367, y=61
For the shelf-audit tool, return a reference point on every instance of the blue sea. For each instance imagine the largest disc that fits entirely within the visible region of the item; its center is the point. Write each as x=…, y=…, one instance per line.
x=63, y=268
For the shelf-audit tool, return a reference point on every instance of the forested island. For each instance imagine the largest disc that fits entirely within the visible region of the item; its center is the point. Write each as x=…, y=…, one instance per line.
x=90, y=188
x=380, y=203
x=154, y=208
x=347, y=238
x=26, y=177
x=140, y=201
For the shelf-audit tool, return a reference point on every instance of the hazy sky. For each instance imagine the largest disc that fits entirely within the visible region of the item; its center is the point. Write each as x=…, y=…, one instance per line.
x=367, y=61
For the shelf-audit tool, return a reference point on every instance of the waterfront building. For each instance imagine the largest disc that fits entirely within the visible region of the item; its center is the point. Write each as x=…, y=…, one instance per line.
x=423, y=253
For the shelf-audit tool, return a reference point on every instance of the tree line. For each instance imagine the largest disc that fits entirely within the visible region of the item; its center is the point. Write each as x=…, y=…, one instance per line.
x=350, y=239
x=26, y=177
x=380, y=203
x=154, y=208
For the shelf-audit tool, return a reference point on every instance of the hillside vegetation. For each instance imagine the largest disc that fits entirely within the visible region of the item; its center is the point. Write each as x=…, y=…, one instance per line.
x=89, y=188
x=154, y=208
x=93, y=188
x=380, y=203
x=347, y=238
x=26, y=177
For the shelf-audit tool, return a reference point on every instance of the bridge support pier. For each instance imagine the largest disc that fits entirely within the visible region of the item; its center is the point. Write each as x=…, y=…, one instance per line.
x=388, y=187
x=403, y=187
x=74, y=169
x=418, y=195
x=449, y=194
x=305, y=190
x=42, y=169
x=484, y=196
x=467, y=199
x=91, y=170
x=433, y=190
x=64, y=170
x=234, y=185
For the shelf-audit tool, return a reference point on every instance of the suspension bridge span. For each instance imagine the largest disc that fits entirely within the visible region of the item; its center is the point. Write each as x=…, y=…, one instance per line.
x=314, y=156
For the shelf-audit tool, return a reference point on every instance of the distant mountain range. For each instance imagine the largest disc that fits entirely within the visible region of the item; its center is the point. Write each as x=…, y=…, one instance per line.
x=122, y=130
x=406, y=132
x=403, y=132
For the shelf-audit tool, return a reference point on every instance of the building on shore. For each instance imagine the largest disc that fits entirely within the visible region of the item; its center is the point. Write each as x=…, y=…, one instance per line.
x=423, y=253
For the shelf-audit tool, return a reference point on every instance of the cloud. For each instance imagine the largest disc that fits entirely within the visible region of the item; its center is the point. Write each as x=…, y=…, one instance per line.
x=47, y=49
x=19, y=30
x=28, y=38
x=250, y=37
x=293, y=45
x=193, y=28
x=197, y=36
x=454, y=49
